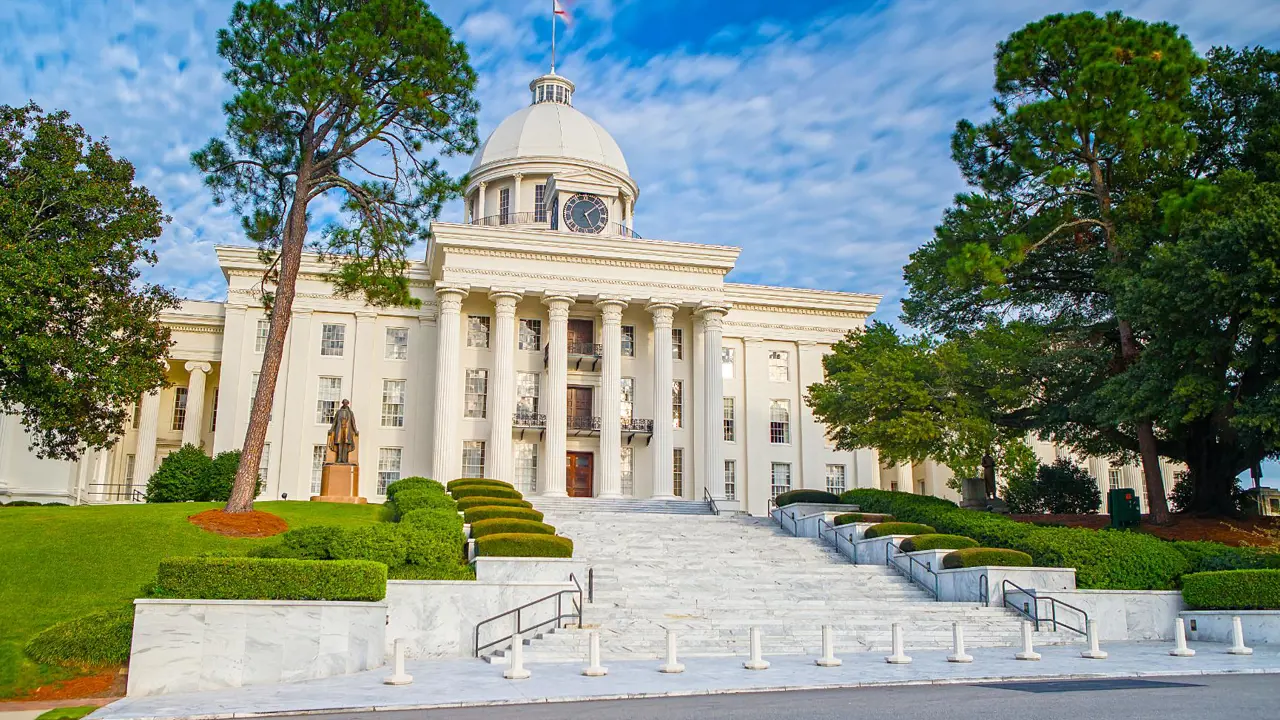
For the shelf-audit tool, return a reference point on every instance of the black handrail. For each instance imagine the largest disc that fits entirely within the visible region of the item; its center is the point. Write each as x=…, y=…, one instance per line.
x=783, y=514
x=560, y=616
x=1031, y=610
x=838, y=537
x=984, y=593
x=529, y=419
x=711, y=501
x=889, y=560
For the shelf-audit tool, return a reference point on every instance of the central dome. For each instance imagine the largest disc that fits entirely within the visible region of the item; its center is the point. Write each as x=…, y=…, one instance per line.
x=551, y=127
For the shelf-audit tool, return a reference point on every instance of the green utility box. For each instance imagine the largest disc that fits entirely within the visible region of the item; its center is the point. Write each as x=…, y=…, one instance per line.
x=1123, y=504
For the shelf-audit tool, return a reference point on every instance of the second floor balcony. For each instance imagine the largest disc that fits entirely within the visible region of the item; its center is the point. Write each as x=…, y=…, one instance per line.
x=580, y=426
x=581, y=354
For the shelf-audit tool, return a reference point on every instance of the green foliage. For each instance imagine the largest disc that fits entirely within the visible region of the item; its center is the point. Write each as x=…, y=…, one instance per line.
x=308, y=543
x=180, y=477
x=1206, y=556
x=435, y=548
x=1063, y=487
x=509, y=525
x=221, y=475
x=383, y=543
x=897, y=528
x=22, y=503
x=466, y=482
x=979, y=557
x=524, y=545
x=805, y=496
x=1232, y=590
x=481, y=500
x=81, y=336
x=413, y=483
x=847, y=518
x=67, y=713
x=466, y=491
x=487, y=512
x=937, y=541
x=409, y=500
x=243, y=578
x=98, y=639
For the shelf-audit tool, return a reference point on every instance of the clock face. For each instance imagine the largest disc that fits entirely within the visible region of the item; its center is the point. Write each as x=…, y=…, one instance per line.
x=586, y=214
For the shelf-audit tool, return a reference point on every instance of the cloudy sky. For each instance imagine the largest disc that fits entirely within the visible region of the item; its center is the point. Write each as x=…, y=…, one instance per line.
x=812, y=134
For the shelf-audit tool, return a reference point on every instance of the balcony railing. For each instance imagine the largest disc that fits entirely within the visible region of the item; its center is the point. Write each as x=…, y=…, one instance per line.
x=579, y=425
x=582, y=424
x=529, y=420
x=579, y=352
x=543, y=220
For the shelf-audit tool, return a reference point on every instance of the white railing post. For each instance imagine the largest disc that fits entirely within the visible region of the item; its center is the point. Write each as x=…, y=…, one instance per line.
x=1094, y=652
x=1237, y=638
x=593, y=668
x=828, y=658
x=1180, y=648
x=757, y=662
x=515, y=668
x=399, y=677
x=671, y=665
x=1028, y=652
x=899, y=656
x=957, y=645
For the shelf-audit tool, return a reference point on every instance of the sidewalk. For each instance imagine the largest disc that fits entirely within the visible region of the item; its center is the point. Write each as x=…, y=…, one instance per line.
x=456, y=683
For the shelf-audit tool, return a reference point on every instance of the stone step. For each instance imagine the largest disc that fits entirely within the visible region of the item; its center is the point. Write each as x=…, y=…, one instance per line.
x=593, y=506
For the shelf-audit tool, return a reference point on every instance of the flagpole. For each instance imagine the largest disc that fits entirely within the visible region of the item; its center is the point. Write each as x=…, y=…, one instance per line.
x=553, y=37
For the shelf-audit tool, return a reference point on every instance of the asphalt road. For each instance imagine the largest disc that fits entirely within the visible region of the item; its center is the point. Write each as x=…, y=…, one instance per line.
x=1225, y=697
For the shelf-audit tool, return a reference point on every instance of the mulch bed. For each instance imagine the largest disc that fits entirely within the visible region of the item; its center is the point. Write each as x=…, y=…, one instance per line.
x=104, y=684
x=251, y=524
x=1260, y=532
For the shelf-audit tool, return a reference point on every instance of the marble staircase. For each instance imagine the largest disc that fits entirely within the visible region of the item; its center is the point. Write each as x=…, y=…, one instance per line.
x=570, y=505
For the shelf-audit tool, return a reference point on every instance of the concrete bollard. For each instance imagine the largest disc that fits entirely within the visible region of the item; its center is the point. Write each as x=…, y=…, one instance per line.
x=828, y=658
x=1180, y=648
x=957, y=645
x=899, y=657
x=1237, y=638
x=1028, y=652
x=399, y=677
x=1094, y=652
x=671, y=665
x=594, y=668
x=515, y=667
x=757, y=662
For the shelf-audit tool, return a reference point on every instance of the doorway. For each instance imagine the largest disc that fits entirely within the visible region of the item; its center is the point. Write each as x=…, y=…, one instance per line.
x=579, y=471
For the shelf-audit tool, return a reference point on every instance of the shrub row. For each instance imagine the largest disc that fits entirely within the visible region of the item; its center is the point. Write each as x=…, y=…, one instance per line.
x=524, y=545
x=937, y=541
x=847, y=518
x=979, y=556
x=413, y=483
x=497, y=491
x=409, y=500
x=469, y=482
x=503, y=523
x=897, y=528
x=488, y=512
x=187, y=474
x=99, y=639
x=494, y=526
x=1232, y=590
x=807, y=496
x=246, y=578
x=470, y=502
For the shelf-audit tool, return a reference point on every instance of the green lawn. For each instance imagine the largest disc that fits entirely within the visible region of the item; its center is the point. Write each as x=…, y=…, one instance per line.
x=57, y=563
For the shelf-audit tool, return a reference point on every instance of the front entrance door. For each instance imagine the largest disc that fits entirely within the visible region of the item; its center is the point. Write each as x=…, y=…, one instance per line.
x=579, y=469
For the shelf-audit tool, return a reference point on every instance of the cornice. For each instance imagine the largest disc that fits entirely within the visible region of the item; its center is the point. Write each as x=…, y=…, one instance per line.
x=191, y=328
x=749, y=307
x=612, y=262
x=482, y=272
x=782, y=326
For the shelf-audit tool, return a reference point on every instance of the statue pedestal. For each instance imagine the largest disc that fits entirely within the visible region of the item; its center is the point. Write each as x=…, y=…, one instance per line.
x=974, y=494
x=340, y=483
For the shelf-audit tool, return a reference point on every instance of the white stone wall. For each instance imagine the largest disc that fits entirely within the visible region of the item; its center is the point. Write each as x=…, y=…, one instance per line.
x=1260, y=627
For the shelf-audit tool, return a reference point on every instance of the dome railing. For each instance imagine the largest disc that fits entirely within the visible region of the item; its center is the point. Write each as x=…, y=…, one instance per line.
x=543, y=221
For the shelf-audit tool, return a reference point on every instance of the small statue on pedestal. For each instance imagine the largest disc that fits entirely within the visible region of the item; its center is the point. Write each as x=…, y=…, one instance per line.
x=340, y=476
x=343, y=434
x=980, y=493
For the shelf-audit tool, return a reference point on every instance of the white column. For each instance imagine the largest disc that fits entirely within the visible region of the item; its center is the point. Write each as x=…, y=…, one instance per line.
x=631, y=210
x=713, y=399
x=663, y=483
x=480, y=203
x=611, y=398
x=229, y=383
x=515, y=197
x=445, y=460
x=144, y=462
x=695, y=415
x=557, y=391
x=366, y=402
x=194, y=422
x=500, y=463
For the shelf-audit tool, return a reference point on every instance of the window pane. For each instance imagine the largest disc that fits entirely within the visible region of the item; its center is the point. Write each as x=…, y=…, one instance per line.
x=477, y=393
x=539, y=198
x=328, y=398
x=730, y=426
x=780, y=422
x=526, y=467
x=627, y=469
x=264, y=463
x=628, y=340
x=397, y=343
x=677, y=472
x=179, y=408
x=628, y=398
x=504, y=206
x=677, y=404
x=260, y=340
x=779, y=366
x=527, y=392
x=478, y=331
x=388, y=467
x=730, y=480
x=780, y=479
x=332, y=339
x=677, y=344
x=530, y=334
x=473, y=458
x=835, y=479
x=317, y=467
x=393, y=403
x=727, y=357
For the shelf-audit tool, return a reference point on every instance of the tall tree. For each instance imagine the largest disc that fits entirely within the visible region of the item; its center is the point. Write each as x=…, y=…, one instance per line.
x=80, y=336
x=335, y=96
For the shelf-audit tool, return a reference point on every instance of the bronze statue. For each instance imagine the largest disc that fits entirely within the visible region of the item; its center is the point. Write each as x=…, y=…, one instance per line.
x=343, y=433
x=989, y=475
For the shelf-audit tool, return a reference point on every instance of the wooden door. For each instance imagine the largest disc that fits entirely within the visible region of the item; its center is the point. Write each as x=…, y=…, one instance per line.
x=581, y=337
x=578, y=407
x=579, y=470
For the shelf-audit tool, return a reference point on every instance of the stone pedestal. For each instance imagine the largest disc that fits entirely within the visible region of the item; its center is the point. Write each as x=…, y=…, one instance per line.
x=340, y=483
x=974, y=497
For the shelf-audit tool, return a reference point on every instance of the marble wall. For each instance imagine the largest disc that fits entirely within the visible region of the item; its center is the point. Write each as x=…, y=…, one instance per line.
x=1260, y=627
x=964, y=584
x=872, y=552
x=530, y=570
x=1127, y=614
x=438, y=618
x=188, y=645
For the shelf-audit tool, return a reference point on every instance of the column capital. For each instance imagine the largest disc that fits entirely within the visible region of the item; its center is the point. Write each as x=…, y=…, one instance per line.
x=558, y=305
x=753, y=340
x=484, y=184
x=505, y=298
x=449, y=298
x=302, y=312
x=198, y=366
x=366, y=316
x=518, y=175
x=611, y=308
x=712, y=310
x=663, y=311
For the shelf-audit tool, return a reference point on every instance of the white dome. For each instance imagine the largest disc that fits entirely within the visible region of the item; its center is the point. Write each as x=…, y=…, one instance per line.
x=551, y=129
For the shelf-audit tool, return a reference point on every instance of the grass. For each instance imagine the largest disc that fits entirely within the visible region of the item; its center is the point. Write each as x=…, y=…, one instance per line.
x=58, y=563
x=67, y=713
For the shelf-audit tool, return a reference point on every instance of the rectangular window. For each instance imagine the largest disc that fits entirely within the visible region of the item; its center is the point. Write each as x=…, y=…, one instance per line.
x=478, y=331
x=393, y=403
x=730, y=479
x=530, y=334
x=677, y=344
x=137, y=408
x=388, y=467
x=332, y=339
x=677, y=404
x=780, y=479
x=1115, y=480
x=264, y=463
x=677, y=472
x=129, y=462
x=504, y=206
x=730, y=422
x=835, y=479
x=473, y=459
x=526, y=467
x=527, y=393
x=397, y=346
x=779, y=366
x=539, y=203
x=327, y=399
x=727, y=358
x=179, y=408
x=628, y=398
x=260, y=340
x=213, y=424
x=780, y=422
x=317, y=466
x=628, y=341
x=627, y=471
x=477, y=394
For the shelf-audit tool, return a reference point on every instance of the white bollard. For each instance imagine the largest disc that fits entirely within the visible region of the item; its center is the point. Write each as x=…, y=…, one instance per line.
x=515, y=667
x=671, y=666
x=756, y=662
x=594, y=668
x=828, y=658
x=1094, y=652
x=957, y=642
x=1028, y=652
x=1237, y=638
x=899, y=657
x=399, y=677
x=1180, y=648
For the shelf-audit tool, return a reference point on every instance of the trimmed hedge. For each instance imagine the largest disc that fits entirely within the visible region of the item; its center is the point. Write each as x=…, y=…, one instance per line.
x=524, y=545
x=467, y=491
x=493, y=526
x=384, y=543
x=897, y=528
x=979, y=556
x=243, y=578
x=1208, y=556
x=937, y=541
x=466, y=482
x=435, y=548
x=308, y=543
x=470, y=502
x=847, y=518
x=487, y=512
x=96, y=640
x=409, y=500
x=413, y=483
x=809, y=496
x=1232, y=590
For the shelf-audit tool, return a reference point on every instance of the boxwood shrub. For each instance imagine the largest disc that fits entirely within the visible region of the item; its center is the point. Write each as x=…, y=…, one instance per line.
x=435, y=548
x=846, y=518
x=524, y=545
x=409, y=500
x=1232, y=590
x=979, y=556
x=99, y=639
x=486, y=512
x=413, y=483
x=244, y=578
x=470, y=502
x=510, y=525
x=307, y=543
x=469, y=482
x=937, y=541
x=897, y=528
x=808, y=496
x=1206, y=556
x=467, y=491
x=383, y=543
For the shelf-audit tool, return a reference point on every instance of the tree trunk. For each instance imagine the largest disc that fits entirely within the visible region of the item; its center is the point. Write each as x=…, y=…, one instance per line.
x=1212, y=475
x=1157, y=496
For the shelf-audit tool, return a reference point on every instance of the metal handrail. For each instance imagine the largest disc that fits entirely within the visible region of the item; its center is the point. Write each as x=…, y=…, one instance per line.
x=637, y=425
x=838, y=537
x=984, y=593
x=560, y=616
x=117, y=491
x=529, y=420
x=1031, y=610
x=582, y=422
x=711, y=501
x=910, y=571
x=783, y=514
x=543, y=220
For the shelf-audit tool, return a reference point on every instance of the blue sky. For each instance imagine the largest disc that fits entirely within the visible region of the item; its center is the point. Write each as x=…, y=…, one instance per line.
x=813, y=134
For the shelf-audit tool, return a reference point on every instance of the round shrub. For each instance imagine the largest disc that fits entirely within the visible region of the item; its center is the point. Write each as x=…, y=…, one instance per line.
x=95, y=640
x=937, y=541
x=509, y=525
x=180, y=477
x=435, y=547
x=470, y=502
x=382, y=543
x=807, y=496
x=1232, y=590
x=897, y=528
x=221, y=475
x=413, y=483
x=468, y=482
x=307, y=543
x=467, y=491
x=979, y=556
x=846, y=518
x=486, y=512
x=22, y=503
x=524, y=545
x=409, y=500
